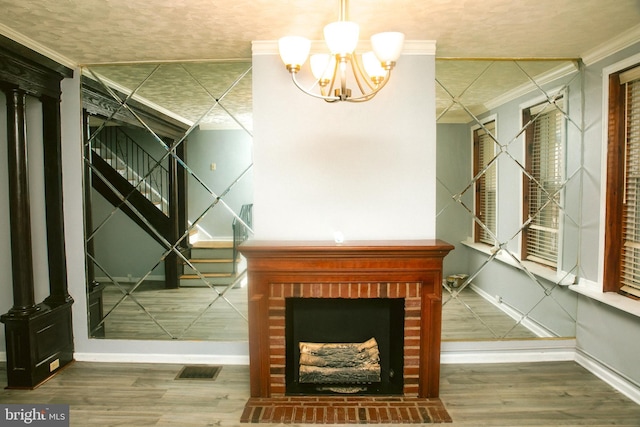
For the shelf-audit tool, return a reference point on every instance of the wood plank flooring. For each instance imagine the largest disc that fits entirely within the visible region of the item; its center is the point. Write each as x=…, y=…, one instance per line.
x=523, y=394
x=468, y=317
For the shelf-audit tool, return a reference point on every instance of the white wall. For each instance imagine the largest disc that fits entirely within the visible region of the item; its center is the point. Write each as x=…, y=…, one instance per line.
x=366, y=170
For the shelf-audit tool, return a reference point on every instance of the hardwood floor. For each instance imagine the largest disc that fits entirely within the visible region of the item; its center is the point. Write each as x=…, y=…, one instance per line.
x=178, y=311
x=523, y=394
x=467, y=317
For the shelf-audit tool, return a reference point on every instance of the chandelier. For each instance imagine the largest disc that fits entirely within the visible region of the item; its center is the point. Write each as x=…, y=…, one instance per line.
x=371, y=70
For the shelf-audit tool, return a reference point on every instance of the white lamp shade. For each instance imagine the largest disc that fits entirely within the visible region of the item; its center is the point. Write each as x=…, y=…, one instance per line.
x=322, y=66
x=294, y=50
x=372, y=65
x=387, y=46
x=341, y=37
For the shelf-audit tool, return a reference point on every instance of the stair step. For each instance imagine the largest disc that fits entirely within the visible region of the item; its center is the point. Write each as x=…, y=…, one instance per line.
x=212, y=249
x=213, y=244
x=209, y=266
x=206, y=275
x=193, y=280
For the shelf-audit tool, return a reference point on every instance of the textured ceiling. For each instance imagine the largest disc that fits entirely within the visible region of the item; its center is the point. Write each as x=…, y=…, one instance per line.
x=94, y=31
x=117, y=31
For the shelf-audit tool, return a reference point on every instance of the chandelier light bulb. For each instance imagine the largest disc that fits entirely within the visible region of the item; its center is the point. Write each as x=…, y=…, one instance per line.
x=373, y=67
x=322, y=66
x=341, y=37
x=387, y=46
x=294, y=51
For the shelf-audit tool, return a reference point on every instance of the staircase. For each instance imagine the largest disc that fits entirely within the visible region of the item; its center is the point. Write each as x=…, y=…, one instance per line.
x=215, y=262
x=122, y=167
x=111, y=184
x=134, y=164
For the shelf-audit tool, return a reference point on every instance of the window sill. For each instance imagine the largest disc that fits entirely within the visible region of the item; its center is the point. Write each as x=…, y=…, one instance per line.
x=612, y=299
x=562, y=278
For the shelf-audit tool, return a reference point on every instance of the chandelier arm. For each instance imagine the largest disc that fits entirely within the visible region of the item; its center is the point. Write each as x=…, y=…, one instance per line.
x=333, y=77
x=374, y=93
x=344, y=91
x=357, y=74
x=315, y=95
x=361, y=73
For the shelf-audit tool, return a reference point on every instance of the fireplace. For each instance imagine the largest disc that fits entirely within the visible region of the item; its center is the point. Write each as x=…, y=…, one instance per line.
x=344, y=345
x=282, y=273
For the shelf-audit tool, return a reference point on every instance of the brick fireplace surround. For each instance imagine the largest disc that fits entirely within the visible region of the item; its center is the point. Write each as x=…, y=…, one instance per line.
x=411, y=270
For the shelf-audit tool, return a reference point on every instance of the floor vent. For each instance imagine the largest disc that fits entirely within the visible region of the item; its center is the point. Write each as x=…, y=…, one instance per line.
x=198, y=372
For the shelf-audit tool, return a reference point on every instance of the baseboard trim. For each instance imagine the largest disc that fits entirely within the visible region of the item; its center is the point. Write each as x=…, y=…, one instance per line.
x=609, y=375
x=536, y=350
x=211, y=359
x=536, y=328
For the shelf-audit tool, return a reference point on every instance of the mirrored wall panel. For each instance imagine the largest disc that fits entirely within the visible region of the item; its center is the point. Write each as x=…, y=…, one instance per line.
x=509, y=171
x=168, y=197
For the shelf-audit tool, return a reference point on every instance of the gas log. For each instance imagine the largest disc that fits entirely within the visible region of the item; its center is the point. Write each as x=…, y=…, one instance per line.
x=339, y=363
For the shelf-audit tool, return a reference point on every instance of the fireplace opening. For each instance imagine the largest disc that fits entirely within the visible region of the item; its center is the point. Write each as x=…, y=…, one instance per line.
x=358, y=341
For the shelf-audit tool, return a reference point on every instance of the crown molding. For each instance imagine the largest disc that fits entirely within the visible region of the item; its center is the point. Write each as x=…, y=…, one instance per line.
x=37, y=47
x=562, y=70
x=411, y=47
x=612, y=46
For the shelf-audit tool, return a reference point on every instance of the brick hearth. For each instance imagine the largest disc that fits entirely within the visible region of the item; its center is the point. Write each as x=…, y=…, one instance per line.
x=345, y=410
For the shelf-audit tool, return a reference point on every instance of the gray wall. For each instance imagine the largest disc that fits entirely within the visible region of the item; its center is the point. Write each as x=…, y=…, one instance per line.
x=231, y=151
x=603, y=332
x=121, y=247
x=453, y=172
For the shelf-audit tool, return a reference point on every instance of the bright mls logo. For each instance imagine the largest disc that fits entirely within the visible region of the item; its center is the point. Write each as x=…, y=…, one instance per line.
x=34, y=415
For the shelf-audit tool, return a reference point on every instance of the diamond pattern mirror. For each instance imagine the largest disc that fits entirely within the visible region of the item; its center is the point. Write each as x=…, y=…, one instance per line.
x=168, y=196
x=509, y=172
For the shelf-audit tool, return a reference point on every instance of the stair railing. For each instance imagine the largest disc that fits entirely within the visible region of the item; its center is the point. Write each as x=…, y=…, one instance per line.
x=241, y=231
x=135, y=164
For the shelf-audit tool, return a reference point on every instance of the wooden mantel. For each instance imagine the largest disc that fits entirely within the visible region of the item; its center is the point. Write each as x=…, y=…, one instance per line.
x=406, y=268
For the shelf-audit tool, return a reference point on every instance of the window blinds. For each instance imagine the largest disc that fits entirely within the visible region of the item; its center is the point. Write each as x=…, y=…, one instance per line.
x=630, y=274
x=487, y=182
x=546, y=167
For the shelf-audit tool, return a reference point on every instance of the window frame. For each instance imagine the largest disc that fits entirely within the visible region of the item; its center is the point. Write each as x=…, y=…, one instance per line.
x=615, y=129
x=528, y=143
x=478, y=189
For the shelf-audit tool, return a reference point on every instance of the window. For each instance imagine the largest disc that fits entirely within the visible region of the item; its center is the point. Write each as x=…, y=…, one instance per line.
x=544, y=142
x=484, y=169
x=622, y=229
